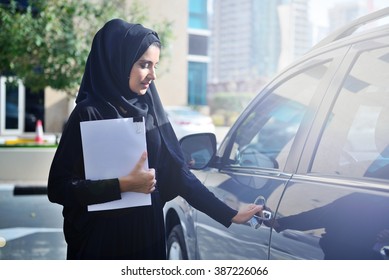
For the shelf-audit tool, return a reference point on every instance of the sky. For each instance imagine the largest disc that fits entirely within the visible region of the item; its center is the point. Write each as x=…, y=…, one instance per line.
x=319, y=8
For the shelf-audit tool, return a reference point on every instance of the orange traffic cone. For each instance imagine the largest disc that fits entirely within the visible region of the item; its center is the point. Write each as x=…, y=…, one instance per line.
x=39, y=132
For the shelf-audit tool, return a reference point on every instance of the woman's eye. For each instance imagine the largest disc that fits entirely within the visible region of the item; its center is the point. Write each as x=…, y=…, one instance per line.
x=148, y=65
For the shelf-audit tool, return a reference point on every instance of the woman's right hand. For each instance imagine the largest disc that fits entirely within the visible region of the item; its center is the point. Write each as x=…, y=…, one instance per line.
x=139, y=179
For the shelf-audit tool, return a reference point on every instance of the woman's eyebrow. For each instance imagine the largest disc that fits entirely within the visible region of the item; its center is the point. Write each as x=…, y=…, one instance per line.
x=146, y=61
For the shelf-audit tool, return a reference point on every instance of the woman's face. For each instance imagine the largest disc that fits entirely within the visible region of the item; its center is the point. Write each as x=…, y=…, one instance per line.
x=143, y=71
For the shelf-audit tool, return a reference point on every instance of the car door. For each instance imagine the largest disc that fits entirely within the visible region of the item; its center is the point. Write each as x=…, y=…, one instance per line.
x=254, y=159
x=337, y=205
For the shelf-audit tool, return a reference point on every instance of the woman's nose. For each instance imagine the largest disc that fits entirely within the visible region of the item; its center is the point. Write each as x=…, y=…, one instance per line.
x=152, y=74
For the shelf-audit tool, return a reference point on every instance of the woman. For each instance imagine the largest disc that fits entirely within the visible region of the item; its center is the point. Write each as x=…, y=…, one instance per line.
x=118, y=83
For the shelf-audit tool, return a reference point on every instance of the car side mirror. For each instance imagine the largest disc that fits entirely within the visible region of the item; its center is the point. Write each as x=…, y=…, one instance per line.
x=198, y=149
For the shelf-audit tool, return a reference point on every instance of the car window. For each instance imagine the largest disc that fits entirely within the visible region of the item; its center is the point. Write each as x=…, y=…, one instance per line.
x=265, y=136
x=356, y=136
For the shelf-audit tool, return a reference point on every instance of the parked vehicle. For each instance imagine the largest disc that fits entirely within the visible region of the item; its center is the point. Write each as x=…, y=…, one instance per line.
x=186, y=120
x=312, y=147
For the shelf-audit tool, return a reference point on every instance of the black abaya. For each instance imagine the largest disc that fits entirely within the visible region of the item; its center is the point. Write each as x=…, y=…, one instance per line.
x=131, y=233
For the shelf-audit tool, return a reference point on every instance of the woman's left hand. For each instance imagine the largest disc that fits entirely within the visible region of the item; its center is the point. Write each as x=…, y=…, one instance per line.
x=245, y=214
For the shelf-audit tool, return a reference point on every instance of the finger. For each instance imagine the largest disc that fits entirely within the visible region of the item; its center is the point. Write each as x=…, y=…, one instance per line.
x=152, y=188
x=152, y=183
x=141, y=161
x=150, y=177
x=255, y=208
x=152, y=172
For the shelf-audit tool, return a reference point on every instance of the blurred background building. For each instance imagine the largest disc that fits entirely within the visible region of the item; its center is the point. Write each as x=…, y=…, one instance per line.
x=252, y=38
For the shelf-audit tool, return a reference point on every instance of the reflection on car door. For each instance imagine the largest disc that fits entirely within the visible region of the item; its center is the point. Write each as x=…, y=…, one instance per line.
x=238, y=241
x=343, y=213
x=253, y=162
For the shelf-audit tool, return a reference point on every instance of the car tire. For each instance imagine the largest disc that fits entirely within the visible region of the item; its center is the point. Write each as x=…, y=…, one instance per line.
x=176, y=249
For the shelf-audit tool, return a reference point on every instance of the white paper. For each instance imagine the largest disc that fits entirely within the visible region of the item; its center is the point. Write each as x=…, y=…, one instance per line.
x=111, y=148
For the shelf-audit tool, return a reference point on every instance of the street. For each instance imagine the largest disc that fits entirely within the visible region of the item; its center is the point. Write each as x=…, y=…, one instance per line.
x=31, y=227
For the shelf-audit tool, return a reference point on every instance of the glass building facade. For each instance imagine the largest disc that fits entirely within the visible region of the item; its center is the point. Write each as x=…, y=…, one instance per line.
x=198, y=37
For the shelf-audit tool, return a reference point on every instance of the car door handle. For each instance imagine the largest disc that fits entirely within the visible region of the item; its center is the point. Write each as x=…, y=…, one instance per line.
x=265, y=215
x=256, y=221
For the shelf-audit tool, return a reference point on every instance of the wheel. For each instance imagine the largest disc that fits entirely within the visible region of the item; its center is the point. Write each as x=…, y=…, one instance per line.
x=176, y=249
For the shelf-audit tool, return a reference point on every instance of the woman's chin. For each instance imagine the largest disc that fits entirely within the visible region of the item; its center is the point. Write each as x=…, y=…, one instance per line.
x=142, y=92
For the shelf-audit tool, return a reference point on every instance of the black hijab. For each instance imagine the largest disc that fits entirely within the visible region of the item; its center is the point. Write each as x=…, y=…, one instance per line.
x=115, y=49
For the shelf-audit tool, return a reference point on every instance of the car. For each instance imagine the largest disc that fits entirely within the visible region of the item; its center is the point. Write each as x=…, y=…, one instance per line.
x=186, y=120
x=312, y=149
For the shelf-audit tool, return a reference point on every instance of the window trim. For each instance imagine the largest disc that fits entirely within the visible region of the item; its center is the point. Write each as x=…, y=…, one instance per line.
x=293, y=159
x=21, y=107
x=315, y=137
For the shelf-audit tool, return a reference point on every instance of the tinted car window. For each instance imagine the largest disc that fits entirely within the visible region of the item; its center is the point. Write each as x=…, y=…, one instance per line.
x=356, y=136
x=265, y=137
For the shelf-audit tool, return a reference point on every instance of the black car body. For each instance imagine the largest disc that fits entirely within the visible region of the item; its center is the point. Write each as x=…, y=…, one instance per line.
x=314, y=145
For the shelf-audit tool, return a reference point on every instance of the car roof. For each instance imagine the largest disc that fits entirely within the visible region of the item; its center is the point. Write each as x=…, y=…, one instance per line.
x=346, y=35
x=354, y=26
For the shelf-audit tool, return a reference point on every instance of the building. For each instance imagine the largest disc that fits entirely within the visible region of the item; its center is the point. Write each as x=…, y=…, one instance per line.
x=251, y=45
x=244, y=46
x=172, y=73
x=198, y=59
x=296, y=30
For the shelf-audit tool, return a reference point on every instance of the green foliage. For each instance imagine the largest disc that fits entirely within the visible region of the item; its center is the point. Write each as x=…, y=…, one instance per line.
x=226, y=106
x=48, y=44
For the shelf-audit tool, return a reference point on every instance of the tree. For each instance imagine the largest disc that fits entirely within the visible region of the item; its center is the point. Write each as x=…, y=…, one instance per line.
x=46, y=44
x=227, y=106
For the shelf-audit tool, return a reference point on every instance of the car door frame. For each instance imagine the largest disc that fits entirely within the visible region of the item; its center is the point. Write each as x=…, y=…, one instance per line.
x=299, y=142
x=305, y=159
